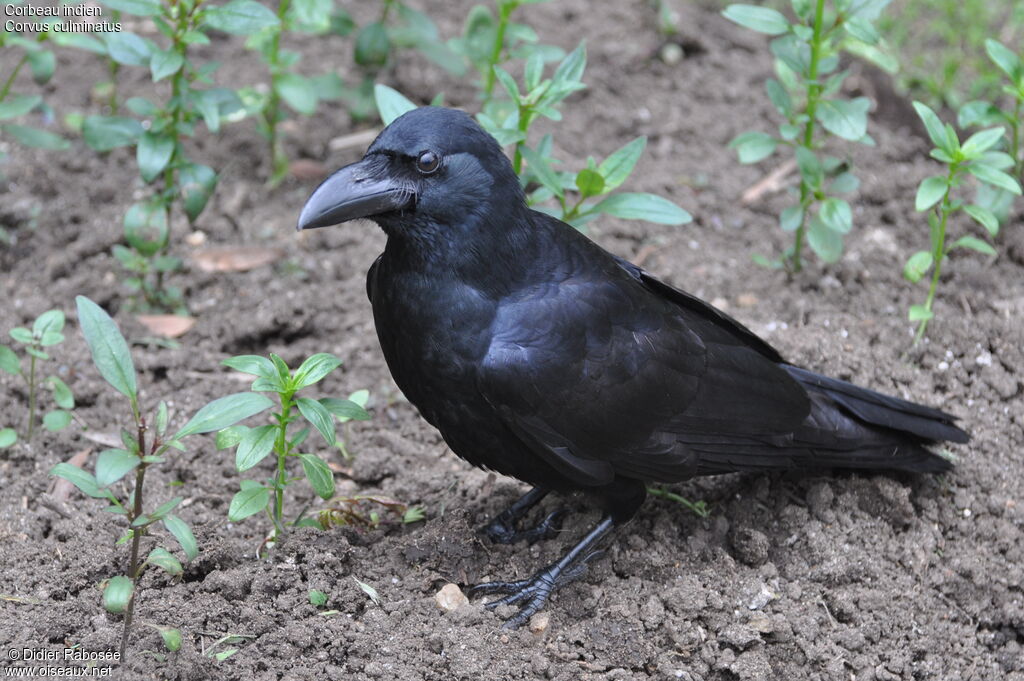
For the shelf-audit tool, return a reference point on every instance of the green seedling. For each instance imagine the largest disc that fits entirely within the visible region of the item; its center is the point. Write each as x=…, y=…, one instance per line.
x=252, y=445
x=934, y=195
x=158, y=130
x=807, y=96
x=580, y=196
x=488, y=41
x=30, y=50
x=45, y=333
x=698, y=508
x=146, y=443
x=986, y=113
x=941, y=43
x=288, y=89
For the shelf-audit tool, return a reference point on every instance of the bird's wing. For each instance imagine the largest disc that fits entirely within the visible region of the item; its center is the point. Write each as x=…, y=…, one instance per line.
x=371, y=277
x=602, y=373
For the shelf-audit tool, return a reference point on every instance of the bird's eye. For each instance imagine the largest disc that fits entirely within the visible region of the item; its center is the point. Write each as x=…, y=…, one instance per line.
x=428, y=162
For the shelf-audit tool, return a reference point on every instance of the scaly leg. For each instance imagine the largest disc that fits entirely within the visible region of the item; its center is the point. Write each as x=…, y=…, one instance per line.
x=533, y=593
x=502, y=530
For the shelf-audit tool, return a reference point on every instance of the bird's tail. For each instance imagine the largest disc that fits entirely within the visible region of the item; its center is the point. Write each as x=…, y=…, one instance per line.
x=894, y=432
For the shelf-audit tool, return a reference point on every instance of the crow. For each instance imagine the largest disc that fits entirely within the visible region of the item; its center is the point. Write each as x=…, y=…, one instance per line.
x=542, y=356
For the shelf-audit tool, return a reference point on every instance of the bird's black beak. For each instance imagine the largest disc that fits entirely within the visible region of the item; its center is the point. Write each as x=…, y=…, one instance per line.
x=360, y=190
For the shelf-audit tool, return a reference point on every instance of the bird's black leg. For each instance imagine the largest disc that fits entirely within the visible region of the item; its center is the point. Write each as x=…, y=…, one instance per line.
x=533, y=593
x=502, y=530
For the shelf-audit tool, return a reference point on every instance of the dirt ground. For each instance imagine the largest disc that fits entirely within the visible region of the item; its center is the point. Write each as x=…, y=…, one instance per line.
x=790, y=577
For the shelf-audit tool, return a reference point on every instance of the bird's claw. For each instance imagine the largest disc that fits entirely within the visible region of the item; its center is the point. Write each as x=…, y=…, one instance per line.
x=533, y=593
x=500, y=531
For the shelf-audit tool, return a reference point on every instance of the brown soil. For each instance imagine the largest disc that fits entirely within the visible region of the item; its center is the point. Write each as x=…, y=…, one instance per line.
x=824, y=577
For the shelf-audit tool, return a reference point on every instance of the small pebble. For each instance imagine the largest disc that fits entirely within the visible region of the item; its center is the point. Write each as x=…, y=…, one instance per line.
x=450, y=597
x=540, y=622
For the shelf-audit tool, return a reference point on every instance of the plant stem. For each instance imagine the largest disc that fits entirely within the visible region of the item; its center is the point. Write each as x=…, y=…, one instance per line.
x=10, y=79
x=134, y=569
x=31, y=396
x=281, y=448
x=504, y=12
x=813, y=92
x=271, y=112
x=938, y=251
x=1018, y=162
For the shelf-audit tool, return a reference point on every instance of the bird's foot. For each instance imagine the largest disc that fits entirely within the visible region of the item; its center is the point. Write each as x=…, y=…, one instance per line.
x=502, y=529
x=531, y=594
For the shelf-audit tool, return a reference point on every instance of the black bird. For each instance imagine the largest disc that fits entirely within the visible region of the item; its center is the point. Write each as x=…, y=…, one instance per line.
x=540, y=355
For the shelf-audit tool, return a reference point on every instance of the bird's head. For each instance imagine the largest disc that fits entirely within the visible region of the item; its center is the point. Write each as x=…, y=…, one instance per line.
x=433, y=170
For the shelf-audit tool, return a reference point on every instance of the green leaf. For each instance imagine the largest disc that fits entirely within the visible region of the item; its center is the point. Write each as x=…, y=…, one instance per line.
x=974, y=244
x=919, y=313
x=145, y=227
x=181, y=531
x=979, y=112
x=114, y=464
x=836, y=215
x=1008, y=62
x=984, y=217
x=109, y=349
x=345, y=410
x=128, y=49
x=314, y=369
x=507, y=82
x=760, y=19
x=620, y=163
x=844, y=183
x=589, y=182
x=298, y=92
x=826, y=243
x=171, y=638
x=390, y=103
x=317, y=598
x=104, y=133
x=319, y=417
x=38, y=354
x=7, y=437
x=779, y=97
x=541, y=169
x=930, y=192
x=230, y=436
x=153, y=153
x=810, y=167
x=22, y=335
x=981, y=141
x=9, y=361
x=643, y=207
x=997, y=178
x=79, y=41
x=254, y=446
x=81, y=479
x=249, y=501
x=145, y=8
x=570, y=70
x=224, y=412
x=936, y=130
x=861, y=29
x=917, y=265
x=165, y=508
x=34, y=137
x=240, y=17
x=846, y=119
x=164, y=63
x=57, y=419
x=319, y=475
x=252, y=364
x=51, y=320
x=161, y=418
x=61, y=393
x=162, y=558
x=372, y=45
x=197, y=183
x=791, y=218
x=117, y=594
x=753, y=146
x=15, y=105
